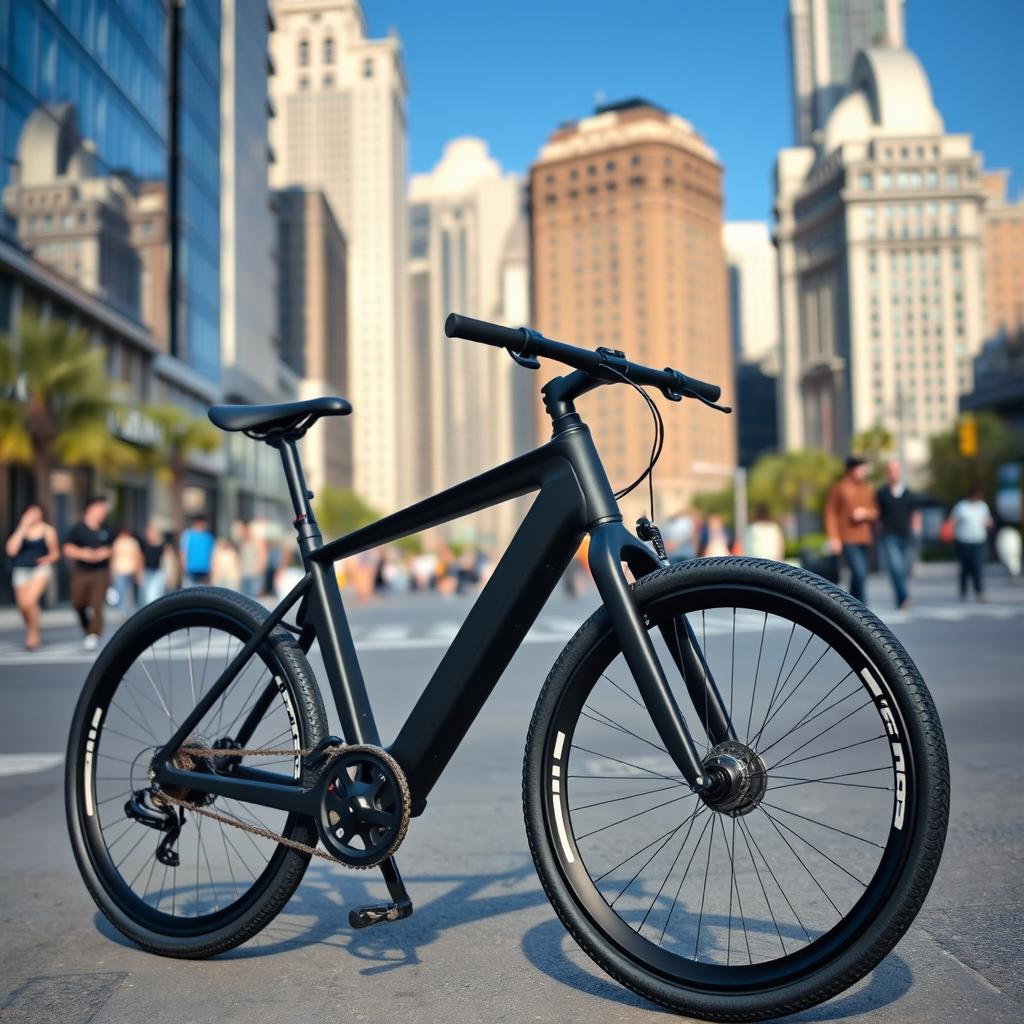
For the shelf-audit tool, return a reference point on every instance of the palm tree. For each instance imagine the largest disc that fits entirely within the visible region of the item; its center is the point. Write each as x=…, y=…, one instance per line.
x=56, y=402
x=182, y=435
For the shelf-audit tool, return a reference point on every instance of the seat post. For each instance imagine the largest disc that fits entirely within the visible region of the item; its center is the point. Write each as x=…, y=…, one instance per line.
x=305, y=522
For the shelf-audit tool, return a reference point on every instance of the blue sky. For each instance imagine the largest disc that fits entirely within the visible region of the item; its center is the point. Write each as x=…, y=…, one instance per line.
x=510, y=72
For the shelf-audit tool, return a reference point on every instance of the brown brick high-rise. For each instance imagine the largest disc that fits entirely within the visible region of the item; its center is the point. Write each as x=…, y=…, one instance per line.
x=626, y=216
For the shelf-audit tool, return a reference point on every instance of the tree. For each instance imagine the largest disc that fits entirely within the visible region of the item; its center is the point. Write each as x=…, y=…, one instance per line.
x=340, y=510
x=182, y=436
x=874, y=444
x=56, y=403
x=794, y=482
x=952, y=475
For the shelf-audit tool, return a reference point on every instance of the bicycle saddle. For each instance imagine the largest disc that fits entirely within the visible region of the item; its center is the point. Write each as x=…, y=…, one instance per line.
x=285, y=419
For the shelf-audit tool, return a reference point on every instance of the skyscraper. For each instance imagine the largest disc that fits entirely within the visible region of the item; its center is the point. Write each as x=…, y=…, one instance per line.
x=340, y=127
x=1004, y=257
x=879, y=231
x=463, y=215
x=824, y=38
x=626, y=217
x=313, y=323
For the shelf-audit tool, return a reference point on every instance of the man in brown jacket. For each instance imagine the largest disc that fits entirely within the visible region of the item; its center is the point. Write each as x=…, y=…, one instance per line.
x=850, y=510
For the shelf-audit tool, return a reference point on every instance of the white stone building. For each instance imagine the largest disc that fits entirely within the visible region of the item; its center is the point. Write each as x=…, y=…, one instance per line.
x=824, y=38
x=879, y=239
x=753, y=289
x=340, y=126
x=467, y=225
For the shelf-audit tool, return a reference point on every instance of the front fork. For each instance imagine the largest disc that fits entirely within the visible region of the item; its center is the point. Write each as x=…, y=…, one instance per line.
x=611, y=544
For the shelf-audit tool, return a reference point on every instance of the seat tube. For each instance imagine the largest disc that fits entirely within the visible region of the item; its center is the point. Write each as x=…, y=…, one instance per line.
x=326, y=613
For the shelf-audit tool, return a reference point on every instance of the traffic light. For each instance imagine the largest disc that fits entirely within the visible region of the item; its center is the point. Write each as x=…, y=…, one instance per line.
x=967, y=437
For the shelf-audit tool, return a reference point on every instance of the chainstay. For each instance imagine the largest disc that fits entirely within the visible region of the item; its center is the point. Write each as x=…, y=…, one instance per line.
x=331, y=754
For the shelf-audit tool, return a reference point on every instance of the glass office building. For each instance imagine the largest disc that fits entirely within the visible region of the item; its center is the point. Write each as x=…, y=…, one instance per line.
x=87, y=144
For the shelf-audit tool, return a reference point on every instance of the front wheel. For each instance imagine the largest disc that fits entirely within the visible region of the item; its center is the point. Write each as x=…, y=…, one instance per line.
x=805, y=877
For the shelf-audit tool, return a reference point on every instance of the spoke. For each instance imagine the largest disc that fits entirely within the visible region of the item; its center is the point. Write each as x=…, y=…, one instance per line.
x=110, y=846
x=116, y=796
x=134, y=847
x=142, y=664
x=746, y=828
x=814, y=707
x=124, y=736
x=739, y=899
x=134, y=721
x=732, y=667
x=261, y=681
x=814, y=821
x=822, y=853
x=778, y=677
x=785, y=700
x=625, y=693
x=606, y=721
x=227, y=859
x=238, y=854
x=612, y=778
x=646, y=846
x=629, y=764
x=703, y=894
x=757, y=669
x=807, y=721
x=802, y=862
x=764, y=891
x=825, y=782
x=630, y=817
x=191, y=671
x=664, y=843
x=686, y=871
x=671, y=867
x=628, y=796
x=149, y=878
x=834, y=750
x=850, y=714
x=704, y=653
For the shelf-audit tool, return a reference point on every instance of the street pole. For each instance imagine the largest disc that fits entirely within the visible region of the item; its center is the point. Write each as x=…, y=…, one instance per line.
x=739, y=517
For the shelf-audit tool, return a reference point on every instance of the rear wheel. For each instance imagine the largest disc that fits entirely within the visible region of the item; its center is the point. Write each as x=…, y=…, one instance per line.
x=229, y=882
x=802, y=879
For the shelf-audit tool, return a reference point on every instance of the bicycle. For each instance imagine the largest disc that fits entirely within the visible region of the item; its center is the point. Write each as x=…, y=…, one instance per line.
x=735, y=782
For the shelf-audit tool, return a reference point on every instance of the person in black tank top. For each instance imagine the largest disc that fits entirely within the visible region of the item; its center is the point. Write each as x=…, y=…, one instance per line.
x=32, y=549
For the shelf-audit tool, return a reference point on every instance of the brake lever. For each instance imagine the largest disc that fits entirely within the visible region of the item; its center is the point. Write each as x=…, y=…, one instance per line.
x=678, y=396
x=524, y=358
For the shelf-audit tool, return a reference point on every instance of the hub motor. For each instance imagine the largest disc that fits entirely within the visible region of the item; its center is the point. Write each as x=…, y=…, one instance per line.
x=739, y=778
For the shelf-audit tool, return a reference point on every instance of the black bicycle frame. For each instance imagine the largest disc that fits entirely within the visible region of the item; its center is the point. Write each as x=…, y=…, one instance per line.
x=573, y=498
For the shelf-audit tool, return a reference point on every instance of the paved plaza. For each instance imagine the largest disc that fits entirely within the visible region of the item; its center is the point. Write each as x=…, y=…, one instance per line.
x=483, y=944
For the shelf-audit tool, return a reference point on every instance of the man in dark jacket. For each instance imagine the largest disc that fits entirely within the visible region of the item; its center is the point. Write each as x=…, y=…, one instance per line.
x=899, y=520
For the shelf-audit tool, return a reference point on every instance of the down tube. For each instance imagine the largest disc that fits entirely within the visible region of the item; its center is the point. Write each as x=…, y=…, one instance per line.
x=495, y=627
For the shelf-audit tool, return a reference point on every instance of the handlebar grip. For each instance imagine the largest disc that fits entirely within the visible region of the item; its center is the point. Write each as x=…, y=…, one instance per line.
x=709, y=392
x=465, y=327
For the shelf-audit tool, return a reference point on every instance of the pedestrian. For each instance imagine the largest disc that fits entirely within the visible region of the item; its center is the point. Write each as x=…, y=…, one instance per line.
x=850, y=509
x=252, y=557
x=899, y=521
x=972, y=522
x=154, y=571
x=764, y=537
x=196, y=553
x=225, y=566
x=1008, y=548
x=32, y=549
x=126, y=567
x=88, y=545
x=680, y=536
x=715, y=541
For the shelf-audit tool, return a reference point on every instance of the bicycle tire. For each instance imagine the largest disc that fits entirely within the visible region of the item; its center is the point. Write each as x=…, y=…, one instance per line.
x=891, y=907
x=175, y=935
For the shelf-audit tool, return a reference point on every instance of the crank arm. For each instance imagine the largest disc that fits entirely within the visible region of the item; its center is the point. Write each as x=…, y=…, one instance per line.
x=399, y=908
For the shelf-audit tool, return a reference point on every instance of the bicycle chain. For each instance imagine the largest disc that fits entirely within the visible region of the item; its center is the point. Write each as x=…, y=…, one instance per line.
x=330, y=752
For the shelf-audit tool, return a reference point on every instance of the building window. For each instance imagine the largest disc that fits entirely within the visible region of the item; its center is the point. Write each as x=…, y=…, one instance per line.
x=885, y=180
x=952, y=179
x=303, y=53
x=329, y=50
x=368, y=68
x=328, y=81
x=865, y=181
x=931, y=179
x=303, y=83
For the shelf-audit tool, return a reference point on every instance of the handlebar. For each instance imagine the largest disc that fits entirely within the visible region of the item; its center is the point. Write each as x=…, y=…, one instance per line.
x=525, y=345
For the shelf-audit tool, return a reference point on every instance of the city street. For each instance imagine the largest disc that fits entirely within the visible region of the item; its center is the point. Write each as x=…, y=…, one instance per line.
x=484, y=944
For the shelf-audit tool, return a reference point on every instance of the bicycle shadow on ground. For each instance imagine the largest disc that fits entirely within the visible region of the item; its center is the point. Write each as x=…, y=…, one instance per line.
x=317, y=914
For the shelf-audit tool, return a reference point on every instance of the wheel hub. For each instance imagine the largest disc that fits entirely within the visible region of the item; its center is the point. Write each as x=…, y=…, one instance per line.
x=738, y=776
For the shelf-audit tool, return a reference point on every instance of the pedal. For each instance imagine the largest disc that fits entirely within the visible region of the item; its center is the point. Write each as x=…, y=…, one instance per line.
x=398, y=909
x=363, y=917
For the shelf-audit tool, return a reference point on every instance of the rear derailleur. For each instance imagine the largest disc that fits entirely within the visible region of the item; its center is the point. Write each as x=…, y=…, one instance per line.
x=169, y=820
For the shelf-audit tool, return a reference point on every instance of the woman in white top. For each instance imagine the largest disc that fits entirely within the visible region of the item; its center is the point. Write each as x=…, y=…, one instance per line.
x=972, y=522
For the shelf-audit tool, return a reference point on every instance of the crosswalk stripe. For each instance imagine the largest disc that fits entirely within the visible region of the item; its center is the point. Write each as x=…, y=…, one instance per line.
x=28, y=764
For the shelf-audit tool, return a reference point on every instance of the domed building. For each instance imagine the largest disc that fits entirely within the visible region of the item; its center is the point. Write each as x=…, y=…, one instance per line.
x=879, y=235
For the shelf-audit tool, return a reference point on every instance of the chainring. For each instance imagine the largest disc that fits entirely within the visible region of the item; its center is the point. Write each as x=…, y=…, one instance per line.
x=364, y=806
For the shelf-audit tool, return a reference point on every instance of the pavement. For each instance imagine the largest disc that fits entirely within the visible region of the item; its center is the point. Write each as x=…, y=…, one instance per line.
x=484, y=945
